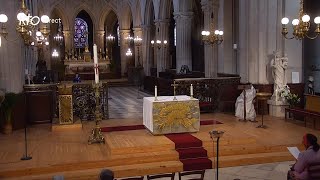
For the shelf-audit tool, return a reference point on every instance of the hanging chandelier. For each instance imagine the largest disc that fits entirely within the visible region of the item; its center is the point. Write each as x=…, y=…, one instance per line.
x=212, y=36
x=301, y=26
x=27, y=24
x=59, y=36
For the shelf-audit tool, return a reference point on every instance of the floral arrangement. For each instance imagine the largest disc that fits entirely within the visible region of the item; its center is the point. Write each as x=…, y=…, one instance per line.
x=291, y=98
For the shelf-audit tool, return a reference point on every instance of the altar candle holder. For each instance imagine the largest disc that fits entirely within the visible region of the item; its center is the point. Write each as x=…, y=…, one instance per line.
x=155, y=93
x=191, y=91
x=96, y=135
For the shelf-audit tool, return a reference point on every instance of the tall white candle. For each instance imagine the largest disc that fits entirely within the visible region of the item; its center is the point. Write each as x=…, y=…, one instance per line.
x=155, y=91
x=95, y=64
x=191, y=90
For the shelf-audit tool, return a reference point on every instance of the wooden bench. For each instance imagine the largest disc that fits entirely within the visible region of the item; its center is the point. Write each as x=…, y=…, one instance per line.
x=304, y=113
x=314, y=171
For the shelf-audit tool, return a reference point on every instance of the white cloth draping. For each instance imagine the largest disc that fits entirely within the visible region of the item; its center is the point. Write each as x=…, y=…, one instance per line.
x=250, y=111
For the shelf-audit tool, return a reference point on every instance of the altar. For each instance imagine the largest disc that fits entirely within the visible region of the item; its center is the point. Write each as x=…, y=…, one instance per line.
x=166, y=115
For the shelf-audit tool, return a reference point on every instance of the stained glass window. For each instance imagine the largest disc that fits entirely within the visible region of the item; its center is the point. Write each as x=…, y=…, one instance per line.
x=80, y=33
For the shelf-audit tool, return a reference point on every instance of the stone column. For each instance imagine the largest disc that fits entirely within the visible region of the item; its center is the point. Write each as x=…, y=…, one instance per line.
x=99, y=39
x=210, y=52
x=146, y=47
x=123, y=49
x=162, y=51
x=12, y=54
x=138, y=59
x=68, y=39
x=183, y=26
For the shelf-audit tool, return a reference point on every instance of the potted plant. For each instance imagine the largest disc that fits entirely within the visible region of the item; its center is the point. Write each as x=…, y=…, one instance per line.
x=290, y=98
x=7, y=107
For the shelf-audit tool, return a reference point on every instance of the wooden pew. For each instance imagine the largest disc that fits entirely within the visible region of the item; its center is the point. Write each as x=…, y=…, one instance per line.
x=312, y=109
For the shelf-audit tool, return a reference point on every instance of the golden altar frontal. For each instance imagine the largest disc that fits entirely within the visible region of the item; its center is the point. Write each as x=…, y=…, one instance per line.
x=165, y=115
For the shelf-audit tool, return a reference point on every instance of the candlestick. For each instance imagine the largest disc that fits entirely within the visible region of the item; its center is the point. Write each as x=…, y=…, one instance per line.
x=191, y=91
x=95, y=64
x=155, y=93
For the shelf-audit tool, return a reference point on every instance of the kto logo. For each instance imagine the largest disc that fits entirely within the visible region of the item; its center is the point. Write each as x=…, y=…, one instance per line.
x=35, y=20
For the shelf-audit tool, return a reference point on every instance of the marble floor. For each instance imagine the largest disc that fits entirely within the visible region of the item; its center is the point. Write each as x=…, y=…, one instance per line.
x=126, y=102
x=269, y=171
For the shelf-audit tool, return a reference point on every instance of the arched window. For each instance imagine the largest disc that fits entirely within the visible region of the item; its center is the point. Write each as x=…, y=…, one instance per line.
x=80, y=33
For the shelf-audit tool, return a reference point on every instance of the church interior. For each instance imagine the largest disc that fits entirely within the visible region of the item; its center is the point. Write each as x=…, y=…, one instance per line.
x=157, y=88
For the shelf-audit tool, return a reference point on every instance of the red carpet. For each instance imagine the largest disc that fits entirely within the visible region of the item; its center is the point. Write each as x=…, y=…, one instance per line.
x=137, y=127
x=191, y=153
x=122, y=128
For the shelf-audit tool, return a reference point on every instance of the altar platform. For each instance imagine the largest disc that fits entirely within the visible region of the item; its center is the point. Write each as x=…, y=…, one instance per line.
x=138, y=152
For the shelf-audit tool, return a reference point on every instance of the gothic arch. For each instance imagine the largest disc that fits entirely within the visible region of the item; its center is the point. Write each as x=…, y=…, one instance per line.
x=149, y=14
x=61, y=13
x=85, y=8
x=165, y=9
x=136, y=13
x=126, y=15
x=105, y=12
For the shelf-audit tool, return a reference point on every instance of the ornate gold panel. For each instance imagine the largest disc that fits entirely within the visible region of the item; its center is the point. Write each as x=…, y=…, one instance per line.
x=65, y=109
x=172, y=116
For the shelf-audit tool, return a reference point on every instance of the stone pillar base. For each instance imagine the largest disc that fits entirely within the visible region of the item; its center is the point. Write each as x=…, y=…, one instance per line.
x=277, y=108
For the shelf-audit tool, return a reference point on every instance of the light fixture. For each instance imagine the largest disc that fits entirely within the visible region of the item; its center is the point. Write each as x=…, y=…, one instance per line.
x=159, y=43
x=3, y=32
x=212, y=36
x=27, y=24
x=128, y=39
x=138, y=41
x=110, y=42
x=110, y=38
x=55, y=53
x=59, y=36
x=129, y=53
x=301, y=26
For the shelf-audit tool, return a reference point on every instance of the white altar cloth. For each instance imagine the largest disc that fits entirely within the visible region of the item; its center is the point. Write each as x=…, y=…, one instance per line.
x=166, y=115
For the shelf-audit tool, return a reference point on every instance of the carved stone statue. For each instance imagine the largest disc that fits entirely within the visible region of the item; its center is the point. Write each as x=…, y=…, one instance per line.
x=279, y=65
x=310, y=85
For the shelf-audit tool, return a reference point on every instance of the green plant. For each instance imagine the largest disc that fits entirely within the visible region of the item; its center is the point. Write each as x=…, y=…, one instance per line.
x=291, y=99
x=8, y=104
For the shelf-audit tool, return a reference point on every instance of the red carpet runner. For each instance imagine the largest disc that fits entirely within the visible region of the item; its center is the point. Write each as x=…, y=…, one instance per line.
x=191, y=153
x=137, y=127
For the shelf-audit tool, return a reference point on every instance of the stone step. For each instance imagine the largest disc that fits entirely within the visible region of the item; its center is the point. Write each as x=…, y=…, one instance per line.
x=160, y=167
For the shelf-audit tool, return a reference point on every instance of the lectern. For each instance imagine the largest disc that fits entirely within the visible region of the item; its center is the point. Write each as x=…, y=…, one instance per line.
x=263, y=96
x=244, y=87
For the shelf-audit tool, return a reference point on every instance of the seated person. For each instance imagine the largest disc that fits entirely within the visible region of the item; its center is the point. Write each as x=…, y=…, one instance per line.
x=311, y=155
x=250, y=112
x=77, y=79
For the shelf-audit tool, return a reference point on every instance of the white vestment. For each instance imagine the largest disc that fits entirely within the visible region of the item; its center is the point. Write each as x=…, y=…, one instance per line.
x=250, y=112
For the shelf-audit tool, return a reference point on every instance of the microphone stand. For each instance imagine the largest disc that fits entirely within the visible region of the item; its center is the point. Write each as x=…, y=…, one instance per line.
x=25, y=156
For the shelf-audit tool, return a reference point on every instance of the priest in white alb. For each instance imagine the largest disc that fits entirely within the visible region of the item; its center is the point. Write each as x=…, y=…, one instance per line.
x=250, y=111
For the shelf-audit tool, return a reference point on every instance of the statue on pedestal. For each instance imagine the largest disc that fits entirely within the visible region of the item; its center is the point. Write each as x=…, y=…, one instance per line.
x=279, y=65
x=310, y=85
x=87, y=54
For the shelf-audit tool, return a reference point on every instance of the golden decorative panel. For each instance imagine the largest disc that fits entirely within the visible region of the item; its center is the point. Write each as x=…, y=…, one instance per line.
x=65, y=89
x=175, y=116
x=65, y=109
